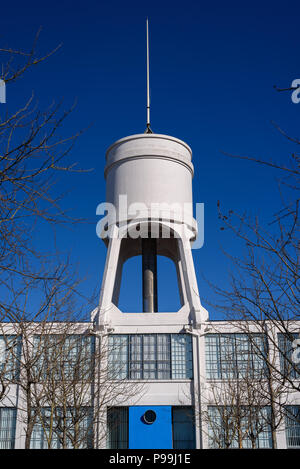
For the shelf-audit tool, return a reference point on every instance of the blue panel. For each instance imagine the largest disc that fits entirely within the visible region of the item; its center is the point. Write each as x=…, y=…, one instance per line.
x=157, y=435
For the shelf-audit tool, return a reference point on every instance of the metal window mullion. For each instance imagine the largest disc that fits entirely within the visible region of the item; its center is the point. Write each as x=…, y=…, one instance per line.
x=128, y=356
x=250, y=350
x=219, y=355
x=155, y=356
x=170, y=355
x=235, y=356
x=252, y=358
x=129, y=353
x=142, y=356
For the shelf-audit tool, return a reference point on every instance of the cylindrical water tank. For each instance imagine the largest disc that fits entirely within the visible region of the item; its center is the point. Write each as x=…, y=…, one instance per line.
x=152, y=170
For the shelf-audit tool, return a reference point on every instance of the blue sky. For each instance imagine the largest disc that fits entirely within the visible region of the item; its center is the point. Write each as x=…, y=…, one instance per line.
x=213, y=68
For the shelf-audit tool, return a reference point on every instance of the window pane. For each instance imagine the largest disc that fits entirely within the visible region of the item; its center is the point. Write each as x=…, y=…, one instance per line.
x=117, y=423
x=212, y=356
x=54, y=429
x=63, y=356
x=10, y=351
x=183, y=428
x=287, y=366
x=135, y=357
x=8, y=417
x=149, y=347
x=151, y=356
x=163, y=347
x=232, y=427
x=234, y=355
x=182, y=360
x=118, y=356
x=292, y=423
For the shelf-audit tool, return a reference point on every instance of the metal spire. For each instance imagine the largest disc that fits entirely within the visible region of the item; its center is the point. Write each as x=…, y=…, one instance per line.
x=148, y=129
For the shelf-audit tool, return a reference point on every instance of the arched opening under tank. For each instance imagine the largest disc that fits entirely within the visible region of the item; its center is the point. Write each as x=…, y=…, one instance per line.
x=131, y=288
x=149, y=275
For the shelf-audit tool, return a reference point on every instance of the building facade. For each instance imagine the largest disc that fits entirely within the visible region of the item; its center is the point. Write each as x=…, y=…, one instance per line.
x=149, y=379
x=161, y=408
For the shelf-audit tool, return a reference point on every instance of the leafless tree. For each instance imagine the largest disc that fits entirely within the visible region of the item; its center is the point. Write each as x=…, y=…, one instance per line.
x=80, y=384
x=37, y=288
x=248, y=401
x=35, y=314
x=32, y=151
x=264, y=280
x=66, y=382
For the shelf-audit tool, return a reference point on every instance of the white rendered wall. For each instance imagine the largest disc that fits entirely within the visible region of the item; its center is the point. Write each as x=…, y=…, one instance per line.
x=194, y=392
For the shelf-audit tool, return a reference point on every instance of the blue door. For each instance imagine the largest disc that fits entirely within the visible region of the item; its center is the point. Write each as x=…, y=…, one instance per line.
x=150, y=427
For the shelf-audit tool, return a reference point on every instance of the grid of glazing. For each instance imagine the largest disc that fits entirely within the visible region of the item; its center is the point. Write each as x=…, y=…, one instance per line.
x=117, y=428
x=10, y=352
x=182, y=356
x=234, y=355
x=55, y=431
x=288, y=366
x=183, y=423
x=150, y=356
x=63, y=356
x=292, y=426
x=8, y=418
x=238, y=427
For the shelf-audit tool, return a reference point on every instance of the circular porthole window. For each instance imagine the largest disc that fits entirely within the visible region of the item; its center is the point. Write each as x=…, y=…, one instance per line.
x=149, y=417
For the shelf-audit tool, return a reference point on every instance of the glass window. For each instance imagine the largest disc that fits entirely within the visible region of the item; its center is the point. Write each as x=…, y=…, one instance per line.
x=135, y=357
x=10, y=352
x=182, y=357
x=292, y=423
x=287, y=366
x=118, y=356
x=234, y=355
x=151, y=356
x=42, y=436
x=239, y=427
x=56, y=430
x=163, y=356
x=63, y=356
x=117, y=426
x=183, y=427
x=8, y=418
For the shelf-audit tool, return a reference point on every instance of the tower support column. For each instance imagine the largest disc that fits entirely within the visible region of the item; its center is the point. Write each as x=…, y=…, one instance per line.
x=149, y=268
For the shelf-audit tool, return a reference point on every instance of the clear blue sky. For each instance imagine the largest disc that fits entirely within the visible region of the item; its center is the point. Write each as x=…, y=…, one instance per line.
x=213, y=67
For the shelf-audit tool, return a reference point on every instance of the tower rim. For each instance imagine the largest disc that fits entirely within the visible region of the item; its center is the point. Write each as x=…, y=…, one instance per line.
x=148, y=135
